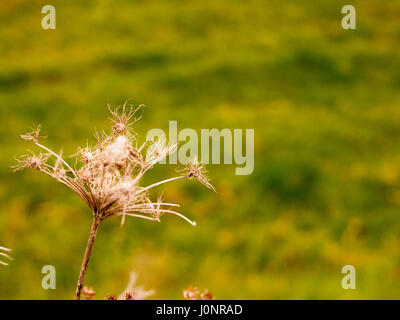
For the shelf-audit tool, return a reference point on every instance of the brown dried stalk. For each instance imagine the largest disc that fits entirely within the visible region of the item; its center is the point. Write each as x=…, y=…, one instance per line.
x=107, y=175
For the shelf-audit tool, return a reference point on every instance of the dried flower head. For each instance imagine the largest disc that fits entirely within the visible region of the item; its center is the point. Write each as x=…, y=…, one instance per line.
x=107, y=176
x=123, y=118
x=129, y=296
x=31, y=160
x=5, y=255
x=110, y=297
x=34, y=135
x=109, y=173
x=88, y=293
x=197, y=171
x=133, y=292
x=190, y=293
x=207, y=295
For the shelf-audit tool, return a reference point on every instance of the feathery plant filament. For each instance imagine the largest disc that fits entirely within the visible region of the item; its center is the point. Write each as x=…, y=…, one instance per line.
x=5, y=255
x=107, y=176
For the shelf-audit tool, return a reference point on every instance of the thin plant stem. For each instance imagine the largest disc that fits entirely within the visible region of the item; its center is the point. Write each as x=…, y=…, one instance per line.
x=86, y=258
x=158, y=183
x=58, y=157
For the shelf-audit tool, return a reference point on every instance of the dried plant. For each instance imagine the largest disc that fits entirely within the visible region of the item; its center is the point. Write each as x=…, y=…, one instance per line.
x=192, y=293
x=133, y=292
x=207, y=295
x=111, y=297
x=107, y=176
x=88, y=293
x=5, y=255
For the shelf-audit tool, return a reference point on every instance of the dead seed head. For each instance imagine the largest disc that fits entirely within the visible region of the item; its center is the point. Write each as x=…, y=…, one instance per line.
x=34, y=135
x=110, y=297
x=207, y=295
x=197, y=171
x=133, y=292
x=107, y=176
x=190, y=293
x=31, y=160
x=129, y=296
x=123, y=117
x=88, y=293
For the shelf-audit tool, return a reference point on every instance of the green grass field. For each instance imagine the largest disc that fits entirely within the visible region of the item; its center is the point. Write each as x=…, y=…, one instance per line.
x=325, y=106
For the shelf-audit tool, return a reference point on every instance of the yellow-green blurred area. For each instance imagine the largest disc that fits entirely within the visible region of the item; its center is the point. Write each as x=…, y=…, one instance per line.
x=325, y=106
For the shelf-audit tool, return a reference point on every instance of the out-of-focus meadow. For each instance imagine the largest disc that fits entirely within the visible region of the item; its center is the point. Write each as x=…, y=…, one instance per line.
x=325, y=106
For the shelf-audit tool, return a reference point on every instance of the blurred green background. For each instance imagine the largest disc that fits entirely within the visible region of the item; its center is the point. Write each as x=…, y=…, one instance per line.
x=325, y=106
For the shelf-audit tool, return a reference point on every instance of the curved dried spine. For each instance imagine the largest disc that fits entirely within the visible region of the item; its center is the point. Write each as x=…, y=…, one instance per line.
x=5, y=255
